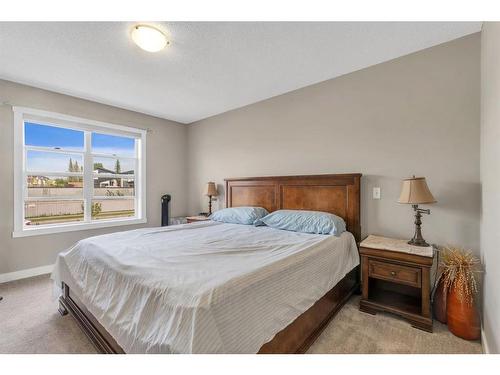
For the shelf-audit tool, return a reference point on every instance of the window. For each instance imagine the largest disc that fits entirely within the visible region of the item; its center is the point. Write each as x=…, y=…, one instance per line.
x=72, y=173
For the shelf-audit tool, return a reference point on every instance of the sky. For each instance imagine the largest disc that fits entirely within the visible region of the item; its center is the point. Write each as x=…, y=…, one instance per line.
x=73, y=140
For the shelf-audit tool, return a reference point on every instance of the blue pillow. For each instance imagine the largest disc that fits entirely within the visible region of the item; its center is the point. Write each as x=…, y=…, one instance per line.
x=239, y=215
x=304, y=221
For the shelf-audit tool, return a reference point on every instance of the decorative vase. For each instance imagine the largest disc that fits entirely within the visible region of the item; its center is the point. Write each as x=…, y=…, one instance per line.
x=463, y=318
x=439, y=306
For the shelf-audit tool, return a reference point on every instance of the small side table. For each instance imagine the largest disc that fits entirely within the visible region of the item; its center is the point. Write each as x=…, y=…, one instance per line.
x=396, y=279
x=195, y=219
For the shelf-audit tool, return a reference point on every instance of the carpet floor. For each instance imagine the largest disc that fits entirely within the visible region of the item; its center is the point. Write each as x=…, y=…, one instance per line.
x=30, y=323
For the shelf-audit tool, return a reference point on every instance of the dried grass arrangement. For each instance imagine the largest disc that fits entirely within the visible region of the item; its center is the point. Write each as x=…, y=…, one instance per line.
x=459, y=268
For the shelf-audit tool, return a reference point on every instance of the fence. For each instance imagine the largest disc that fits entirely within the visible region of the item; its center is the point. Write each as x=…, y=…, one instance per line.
x=77, y=192
x=57, y=208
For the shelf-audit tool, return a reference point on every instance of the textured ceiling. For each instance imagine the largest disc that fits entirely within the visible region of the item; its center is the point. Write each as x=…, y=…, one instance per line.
x=209, y=68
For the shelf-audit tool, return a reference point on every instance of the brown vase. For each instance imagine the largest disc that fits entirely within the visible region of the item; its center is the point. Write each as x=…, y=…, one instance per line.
x=440, y=296
x=463, y=319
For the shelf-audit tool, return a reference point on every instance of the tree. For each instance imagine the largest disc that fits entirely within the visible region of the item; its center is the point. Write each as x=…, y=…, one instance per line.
x=98, y=165
x=71, y=168
x=59, y=182
x=96, y=209
x=118, y=168
x=76, y=167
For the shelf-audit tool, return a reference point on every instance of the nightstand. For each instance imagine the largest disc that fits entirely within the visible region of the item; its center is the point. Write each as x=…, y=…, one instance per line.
x=195, y=219
x=396, y=279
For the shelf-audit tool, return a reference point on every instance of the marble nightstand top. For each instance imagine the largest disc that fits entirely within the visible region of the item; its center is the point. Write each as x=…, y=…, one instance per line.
x=391, y=244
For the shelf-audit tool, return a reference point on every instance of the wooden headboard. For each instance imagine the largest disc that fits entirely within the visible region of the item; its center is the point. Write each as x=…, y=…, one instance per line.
x=334, y=193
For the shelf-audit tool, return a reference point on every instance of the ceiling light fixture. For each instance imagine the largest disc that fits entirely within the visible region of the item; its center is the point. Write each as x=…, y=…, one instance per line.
x=149, y=38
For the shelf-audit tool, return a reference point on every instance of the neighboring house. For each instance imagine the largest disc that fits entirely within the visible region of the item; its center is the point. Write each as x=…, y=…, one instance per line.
x=38, y=181
x=104, y=181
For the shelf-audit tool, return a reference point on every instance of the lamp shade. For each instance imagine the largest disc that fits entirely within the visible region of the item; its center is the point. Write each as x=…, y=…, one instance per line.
x=415, y=191
x=211, y=189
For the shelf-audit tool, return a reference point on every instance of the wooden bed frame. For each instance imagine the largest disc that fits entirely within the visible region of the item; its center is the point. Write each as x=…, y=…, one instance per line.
x=335, y=193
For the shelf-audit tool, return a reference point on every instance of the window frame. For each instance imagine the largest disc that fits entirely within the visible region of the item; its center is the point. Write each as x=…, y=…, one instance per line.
x=22, y=115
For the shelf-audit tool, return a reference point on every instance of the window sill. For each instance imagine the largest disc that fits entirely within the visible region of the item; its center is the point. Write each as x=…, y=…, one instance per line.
x=61, y=228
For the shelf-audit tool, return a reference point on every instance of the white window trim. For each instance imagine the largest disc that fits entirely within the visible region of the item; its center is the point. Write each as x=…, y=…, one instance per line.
x=22, y=114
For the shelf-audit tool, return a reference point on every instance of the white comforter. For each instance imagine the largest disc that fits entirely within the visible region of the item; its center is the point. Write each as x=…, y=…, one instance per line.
x=205, y=287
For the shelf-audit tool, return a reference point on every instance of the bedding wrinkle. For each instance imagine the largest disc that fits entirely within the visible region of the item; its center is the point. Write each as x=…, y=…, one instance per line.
x=205, y=287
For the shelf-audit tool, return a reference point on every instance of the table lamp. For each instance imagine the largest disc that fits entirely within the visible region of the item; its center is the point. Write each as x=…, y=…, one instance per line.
x=210, y=191
x=415, y=191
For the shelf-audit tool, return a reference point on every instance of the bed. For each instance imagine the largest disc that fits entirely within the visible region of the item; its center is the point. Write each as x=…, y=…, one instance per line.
x=218, y=288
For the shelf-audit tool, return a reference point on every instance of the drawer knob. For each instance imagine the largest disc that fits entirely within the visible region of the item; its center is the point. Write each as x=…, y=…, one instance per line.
x=393, y=273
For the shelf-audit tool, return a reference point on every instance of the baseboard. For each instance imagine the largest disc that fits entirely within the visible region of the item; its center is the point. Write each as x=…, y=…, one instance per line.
x=23, y=274
x=484, y=342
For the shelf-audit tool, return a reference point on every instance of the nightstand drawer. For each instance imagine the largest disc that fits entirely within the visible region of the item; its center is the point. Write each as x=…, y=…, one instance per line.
x=395, y=272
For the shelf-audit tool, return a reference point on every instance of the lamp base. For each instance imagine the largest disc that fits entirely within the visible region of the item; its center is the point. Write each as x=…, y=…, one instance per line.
x=417, y=239
x=209, y=205
x=418, y=242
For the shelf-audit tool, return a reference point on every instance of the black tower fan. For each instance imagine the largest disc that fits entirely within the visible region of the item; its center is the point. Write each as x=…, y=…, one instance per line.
x=165, y=214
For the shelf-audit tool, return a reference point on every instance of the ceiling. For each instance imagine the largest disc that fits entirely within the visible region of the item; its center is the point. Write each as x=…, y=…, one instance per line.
x=209, y=68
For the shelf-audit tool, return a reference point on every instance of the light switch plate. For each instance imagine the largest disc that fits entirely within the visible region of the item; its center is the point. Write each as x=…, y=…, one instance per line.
x=376, y=193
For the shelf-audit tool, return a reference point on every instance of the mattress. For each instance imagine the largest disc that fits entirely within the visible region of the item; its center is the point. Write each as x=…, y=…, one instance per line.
x=205, y=287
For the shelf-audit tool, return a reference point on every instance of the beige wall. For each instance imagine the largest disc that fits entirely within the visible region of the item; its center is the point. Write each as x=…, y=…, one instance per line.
x=490, y=181
x=418, y=114
x=166, y=170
